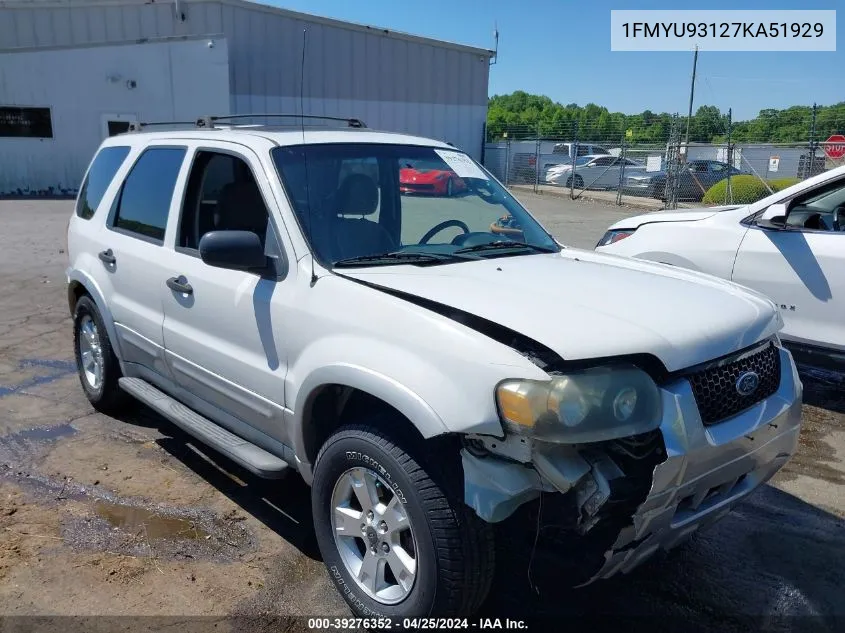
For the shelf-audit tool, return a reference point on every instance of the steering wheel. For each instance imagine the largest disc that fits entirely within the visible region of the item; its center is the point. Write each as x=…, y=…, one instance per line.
x=443, y=225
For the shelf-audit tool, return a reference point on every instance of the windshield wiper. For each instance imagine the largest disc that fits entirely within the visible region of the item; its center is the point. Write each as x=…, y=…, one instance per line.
x=399, y=257
x=505, y=244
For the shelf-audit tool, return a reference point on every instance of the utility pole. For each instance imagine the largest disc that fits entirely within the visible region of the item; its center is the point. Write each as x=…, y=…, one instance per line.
x=729, y=193
x=691, y=95
x=811, y=171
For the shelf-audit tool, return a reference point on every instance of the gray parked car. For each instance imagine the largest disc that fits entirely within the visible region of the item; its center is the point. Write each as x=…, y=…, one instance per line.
x=592, y=172
x=696, y=177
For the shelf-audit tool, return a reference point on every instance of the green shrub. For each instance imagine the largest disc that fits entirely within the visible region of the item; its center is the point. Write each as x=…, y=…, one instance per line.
x=746, y=189
x=779, y=184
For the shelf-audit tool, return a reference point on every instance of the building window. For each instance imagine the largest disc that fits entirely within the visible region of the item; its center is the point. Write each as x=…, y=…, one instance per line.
x=25, y=122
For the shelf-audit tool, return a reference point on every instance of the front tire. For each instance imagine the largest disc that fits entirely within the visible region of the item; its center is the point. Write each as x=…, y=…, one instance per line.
x=96, y=362
x=579, y=182
x=393, y=529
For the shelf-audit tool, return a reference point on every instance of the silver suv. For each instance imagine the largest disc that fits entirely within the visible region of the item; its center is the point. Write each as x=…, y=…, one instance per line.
x=430, y=363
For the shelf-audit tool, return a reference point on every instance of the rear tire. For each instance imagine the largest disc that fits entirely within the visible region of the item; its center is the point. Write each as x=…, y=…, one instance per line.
x=446, y=546
x=96, y=362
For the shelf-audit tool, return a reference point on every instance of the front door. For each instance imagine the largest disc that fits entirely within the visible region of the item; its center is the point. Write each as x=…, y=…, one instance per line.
x=800, y=267
x=223, y=329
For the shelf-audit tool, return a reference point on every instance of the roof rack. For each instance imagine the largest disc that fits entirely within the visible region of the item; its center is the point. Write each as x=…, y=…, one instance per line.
x=208, y=121
x=136, y=126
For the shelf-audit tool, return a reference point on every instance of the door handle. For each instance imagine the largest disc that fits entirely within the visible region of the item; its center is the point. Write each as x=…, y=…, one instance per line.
x=180, y=284
x=107, y=257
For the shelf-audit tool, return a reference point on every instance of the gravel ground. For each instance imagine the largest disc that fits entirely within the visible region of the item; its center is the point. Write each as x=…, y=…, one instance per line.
x=116, y=517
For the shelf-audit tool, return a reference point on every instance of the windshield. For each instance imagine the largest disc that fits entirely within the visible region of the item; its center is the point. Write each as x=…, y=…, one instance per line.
x=370, y=204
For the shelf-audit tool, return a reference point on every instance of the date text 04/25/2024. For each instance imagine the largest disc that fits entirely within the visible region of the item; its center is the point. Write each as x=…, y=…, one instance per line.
x=415, y=624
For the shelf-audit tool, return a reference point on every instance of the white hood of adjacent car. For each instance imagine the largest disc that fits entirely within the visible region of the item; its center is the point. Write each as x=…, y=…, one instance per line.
x=585, y=305
x=675, y=215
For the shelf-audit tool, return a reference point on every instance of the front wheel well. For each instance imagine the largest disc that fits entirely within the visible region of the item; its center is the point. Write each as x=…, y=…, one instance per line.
x=334, y=406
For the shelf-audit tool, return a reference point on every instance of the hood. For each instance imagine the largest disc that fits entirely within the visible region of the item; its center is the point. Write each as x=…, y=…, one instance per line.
x=675, y=215
x=584, y=305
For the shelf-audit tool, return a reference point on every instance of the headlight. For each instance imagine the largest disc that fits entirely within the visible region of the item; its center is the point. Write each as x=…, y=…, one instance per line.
x=613, y=236
x=589, y=405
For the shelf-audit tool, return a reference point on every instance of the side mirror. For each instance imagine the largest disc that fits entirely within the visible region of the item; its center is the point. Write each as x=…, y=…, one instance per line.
x=236, y=250
x=774, y=217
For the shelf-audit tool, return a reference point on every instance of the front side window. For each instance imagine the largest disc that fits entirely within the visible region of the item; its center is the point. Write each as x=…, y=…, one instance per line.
x=371, y=204
x=822, y=209
x=144, y=201
x=98, y=179
x=222, y=195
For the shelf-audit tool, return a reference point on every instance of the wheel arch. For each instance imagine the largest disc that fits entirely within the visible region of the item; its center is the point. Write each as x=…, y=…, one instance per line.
x=79, y=285
x=337, y=395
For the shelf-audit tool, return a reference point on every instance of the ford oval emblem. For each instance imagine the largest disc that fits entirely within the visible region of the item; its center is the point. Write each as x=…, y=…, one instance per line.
x=747, y=383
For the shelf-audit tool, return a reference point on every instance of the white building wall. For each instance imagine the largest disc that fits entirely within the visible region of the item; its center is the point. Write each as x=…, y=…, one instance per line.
x=173, y=80
x=392, y=81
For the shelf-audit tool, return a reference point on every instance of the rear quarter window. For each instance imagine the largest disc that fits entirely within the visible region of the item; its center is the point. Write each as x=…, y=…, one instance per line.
x=98, y=179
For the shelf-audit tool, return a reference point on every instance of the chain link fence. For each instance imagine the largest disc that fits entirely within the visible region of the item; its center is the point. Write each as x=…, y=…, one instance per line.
x=655, y=166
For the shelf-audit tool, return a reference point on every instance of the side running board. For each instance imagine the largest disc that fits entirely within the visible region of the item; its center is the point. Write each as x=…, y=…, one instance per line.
x=248, y=455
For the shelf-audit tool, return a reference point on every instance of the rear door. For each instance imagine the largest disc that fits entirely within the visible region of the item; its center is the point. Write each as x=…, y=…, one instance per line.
x=130, y=255
x=225, y=337
x=801, y=267
x=603, y=173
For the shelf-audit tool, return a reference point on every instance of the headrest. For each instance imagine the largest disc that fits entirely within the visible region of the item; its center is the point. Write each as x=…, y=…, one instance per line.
x=357, y=195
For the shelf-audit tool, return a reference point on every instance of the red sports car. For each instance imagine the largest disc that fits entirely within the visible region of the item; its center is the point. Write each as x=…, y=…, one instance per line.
x=434, y=179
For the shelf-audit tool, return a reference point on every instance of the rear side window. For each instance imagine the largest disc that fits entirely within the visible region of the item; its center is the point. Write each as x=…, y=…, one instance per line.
x=144, y=200
x=100, y=175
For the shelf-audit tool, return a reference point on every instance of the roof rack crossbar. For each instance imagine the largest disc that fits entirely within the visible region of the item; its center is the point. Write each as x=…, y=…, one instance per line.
x=208, y=121
x=136, y=126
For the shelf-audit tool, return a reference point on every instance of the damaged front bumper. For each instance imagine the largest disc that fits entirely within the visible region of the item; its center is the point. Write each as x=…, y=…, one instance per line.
x=703, y=473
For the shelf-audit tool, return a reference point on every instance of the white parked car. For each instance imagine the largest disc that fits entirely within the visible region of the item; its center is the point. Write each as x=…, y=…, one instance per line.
x=592, y=172
x=789, y=246
x=272, y=293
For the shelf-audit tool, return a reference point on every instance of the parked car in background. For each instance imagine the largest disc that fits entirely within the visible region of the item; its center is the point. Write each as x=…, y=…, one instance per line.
x=524, y=159
x=789, y=246
x=592, y=172
x=429, y=178
x=695, y=178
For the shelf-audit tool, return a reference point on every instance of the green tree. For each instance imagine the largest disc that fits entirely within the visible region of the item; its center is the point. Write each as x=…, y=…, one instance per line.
x=522, y=115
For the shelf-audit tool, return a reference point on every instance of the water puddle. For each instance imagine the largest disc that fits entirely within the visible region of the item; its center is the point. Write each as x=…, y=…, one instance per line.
x=41, y=434
x=148, y=524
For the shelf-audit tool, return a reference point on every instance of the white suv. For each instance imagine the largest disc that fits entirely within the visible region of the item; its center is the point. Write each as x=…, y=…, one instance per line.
x=430, y=365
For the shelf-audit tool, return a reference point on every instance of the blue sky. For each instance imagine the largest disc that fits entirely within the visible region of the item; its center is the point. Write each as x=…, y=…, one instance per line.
x=561, y=48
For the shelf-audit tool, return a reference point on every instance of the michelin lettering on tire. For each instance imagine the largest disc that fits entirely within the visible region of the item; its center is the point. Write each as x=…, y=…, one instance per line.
x=347, y=591
x=381, y=470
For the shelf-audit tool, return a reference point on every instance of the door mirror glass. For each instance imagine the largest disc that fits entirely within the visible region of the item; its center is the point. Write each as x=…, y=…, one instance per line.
x=773, y=217
x=236, y=250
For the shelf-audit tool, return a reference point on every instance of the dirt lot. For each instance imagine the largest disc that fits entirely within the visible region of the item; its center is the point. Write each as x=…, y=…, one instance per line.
x=103, y=516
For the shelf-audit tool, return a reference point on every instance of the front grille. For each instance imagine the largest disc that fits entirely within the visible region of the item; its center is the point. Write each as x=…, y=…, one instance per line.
x=715, y=387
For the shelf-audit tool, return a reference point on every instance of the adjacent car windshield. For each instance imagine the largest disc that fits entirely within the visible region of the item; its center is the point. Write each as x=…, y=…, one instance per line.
x=368, y=204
